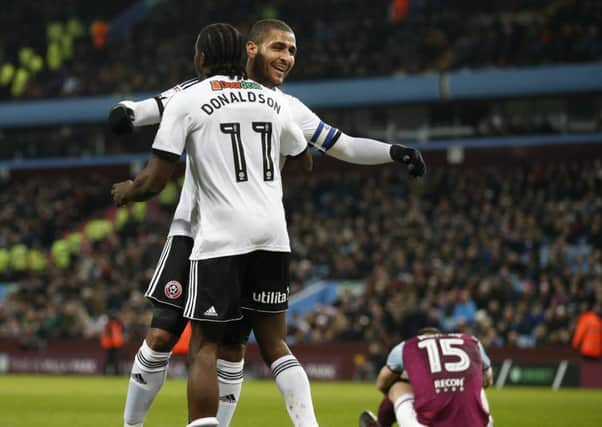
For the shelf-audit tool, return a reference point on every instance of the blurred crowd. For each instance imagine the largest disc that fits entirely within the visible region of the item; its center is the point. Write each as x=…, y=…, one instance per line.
x=510, y=255
x=38, y=214
x=489, y=118
x=99, y=275
x=85, y=141
x=83, y=55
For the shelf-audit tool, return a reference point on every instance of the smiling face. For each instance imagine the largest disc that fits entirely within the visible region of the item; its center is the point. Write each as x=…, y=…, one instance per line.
x=270, y=61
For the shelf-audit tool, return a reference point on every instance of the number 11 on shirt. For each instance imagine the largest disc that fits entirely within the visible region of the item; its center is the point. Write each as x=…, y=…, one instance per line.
x=240, y=165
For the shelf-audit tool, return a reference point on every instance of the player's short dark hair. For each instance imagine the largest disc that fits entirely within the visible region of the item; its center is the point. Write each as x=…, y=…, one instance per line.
x=224, y=50
x=429, y=330
x=261, y=28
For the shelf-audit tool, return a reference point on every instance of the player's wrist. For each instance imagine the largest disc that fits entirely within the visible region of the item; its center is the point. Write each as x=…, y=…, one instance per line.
x=410, y=157
x=399, y=153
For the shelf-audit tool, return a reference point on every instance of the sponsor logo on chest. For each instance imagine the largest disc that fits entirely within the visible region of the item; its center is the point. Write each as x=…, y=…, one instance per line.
x=449, y=384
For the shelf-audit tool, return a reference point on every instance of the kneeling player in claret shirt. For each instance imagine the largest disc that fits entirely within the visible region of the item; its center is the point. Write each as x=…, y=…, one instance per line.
x=434, y=380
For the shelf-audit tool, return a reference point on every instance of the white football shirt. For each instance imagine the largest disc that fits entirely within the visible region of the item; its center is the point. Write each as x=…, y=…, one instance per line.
x=182, y=223
x=317, y=133
x=234, y=132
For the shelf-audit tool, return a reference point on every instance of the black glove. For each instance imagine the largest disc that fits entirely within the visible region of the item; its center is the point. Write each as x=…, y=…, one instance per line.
x=411, y=157
x=121, y=120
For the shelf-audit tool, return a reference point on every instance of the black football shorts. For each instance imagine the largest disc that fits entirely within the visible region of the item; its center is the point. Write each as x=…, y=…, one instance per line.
x=221, y=288
x=169, y=284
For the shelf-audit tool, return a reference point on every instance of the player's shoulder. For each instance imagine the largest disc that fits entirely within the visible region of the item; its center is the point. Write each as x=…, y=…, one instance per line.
x=187, y=84
x=469, y=337
x=292, y=100
x=276, y=93
x=187, y=90
x=184, y=88
x=414, y=339
x=473, y=339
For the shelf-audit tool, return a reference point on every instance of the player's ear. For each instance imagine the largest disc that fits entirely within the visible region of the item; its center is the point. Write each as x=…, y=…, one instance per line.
x=199, y=62
x=251, y=49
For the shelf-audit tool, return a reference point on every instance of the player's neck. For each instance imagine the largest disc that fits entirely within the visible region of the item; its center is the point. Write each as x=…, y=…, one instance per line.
x=264, y=82
x=267, y=83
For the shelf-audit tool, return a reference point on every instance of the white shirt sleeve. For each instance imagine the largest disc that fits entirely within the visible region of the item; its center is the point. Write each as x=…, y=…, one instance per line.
x=317, y=133
x=330, y=140
x=361, y=151
x=484, y=356
x=292, y=141
x=175, y=126
x=146, y=112
x=149, y=111
x=395, y=359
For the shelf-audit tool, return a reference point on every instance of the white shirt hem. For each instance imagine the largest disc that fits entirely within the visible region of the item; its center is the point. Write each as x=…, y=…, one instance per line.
x=239, y=251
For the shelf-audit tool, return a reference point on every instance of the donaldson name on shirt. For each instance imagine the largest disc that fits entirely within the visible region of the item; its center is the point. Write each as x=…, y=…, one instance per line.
x=234, y=96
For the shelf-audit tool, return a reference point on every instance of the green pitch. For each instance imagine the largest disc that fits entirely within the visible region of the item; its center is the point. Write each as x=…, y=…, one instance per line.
x=27, y=401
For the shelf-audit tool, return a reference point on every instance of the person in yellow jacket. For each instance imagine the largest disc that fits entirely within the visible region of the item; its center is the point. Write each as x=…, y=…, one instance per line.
x=588, y=333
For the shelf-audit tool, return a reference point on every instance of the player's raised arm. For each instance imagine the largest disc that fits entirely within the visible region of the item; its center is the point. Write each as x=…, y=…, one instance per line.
x=369, y=151
x=362, y=151
x=127, y=115
x=167, y=148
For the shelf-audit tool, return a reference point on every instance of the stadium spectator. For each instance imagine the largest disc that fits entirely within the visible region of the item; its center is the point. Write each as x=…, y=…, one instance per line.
x=112, y=340
x=587, y=339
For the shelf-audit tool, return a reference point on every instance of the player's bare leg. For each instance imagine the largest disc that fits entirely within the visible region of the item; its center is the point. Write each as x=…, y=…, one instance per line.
x=402, y=396
x=202, y=379
x=290, y=377
x=148, y=375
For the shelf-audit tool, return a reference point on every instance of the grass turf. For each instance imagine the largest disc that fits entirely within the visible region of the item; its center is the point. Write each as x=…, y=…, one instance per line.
x=27, y=401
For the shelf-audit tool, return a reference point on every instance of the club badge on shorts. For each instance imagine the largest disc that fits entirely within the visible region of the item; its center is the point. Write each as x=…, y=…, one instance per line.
x=173, y=289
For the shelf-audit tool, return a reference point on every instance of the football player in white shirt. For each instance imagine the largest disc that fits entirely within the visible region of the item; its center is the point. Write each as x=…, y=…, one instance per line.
x=234, y=132
x=271, y=53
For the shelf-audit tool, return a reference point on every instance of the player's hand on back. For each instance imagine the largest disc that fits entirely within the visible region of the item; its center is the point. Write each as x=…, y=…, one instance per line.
x=411, y=157
x=121, y=119
x=304, y=161
x=119, y=192
x=308, y=161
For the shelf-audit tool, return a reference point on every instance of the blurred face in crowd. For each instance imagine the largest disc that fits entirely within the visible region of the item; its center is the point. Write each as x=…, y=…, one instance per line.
x=270, y=61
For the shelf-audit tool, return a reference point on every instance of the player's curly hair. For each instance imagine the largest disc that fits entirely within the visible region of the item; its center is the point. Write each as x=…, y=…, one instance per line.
x=224, y=49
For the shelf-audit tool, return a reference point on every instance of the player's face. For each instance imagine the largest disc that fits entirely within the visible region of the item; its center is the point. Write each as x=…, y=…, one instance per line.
x=272, y=60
